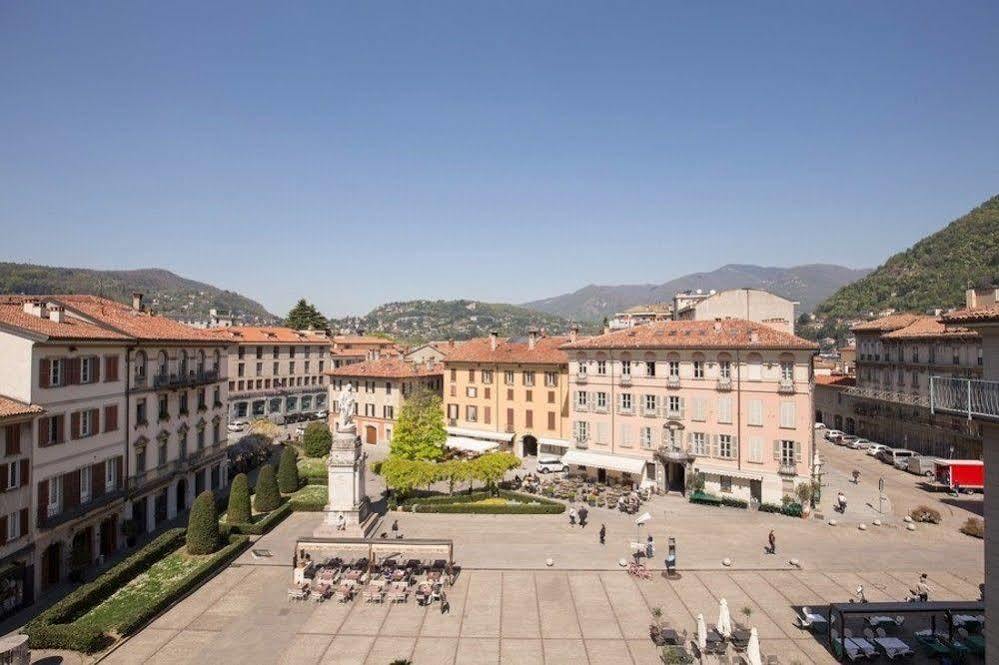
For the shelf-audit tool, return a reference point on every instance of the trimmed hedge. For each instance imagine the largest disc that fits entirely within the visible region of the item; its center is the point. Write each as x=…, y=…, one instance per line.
x=706, y=499
x=770, y=508
x=266, y=496
x=792, y=509
x=239, y=510
x=466, y=503
x=203, y=525
x=287, y=475
x=263, y=525
x=732, y=502
x=301, y=503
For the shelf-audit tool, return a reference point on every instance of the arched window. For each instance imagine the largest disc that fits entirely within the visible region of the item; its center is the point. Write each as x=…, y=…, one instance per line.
x=183, y=362
x=140, y=365
x=218, y=360
x=201, y=362
x=162, y=363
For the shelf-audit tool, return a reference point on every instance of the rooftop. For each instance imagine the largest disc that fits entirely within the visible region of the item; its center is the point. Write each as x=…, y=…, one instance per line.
x=135, y=323
x=11, y=408
x=886, y=323
x=546, y=351
x=977, y=315
x=719, y=334
x=929, y=327
x=269, y=335
x=837, y=380
x=389, y=368
x=71, y=328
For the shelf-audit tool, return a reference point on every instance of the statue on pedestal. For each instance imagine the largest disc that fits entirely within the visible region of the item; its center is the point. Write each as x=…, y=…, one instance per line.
x=346, y=404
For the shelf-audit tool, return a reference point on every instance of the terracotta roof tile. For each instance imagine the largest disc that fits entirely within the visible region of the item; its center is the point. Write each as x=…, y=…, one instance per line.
x=886, y=323
x=394, y=368
x=12, y=315
x=929, y=327
x=10, y=408
x=723, y=334
x=546, y=351
x=835, y=380
x=978, y=315
x=141, y=325
x=268, y=335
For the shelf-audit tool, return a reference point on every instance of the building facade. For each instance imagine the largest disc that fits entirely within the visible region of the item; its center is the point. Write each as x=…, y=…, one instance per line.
x=728, y=399
x=513, y=392
x=890, y=404
x=275, y=372
x=382, y=386
x=640, y=315
x=347, y=349
x=746, y=304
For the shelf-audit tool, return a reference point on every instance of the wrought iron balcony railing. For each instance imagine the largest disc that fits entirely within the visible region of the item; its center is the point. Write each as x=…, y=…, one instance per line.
x=970, y=398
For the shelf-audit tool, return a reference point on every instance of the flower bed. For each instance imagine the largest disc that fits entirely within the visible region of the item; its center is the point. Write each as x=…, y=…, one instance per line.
x=127, y=596
x=483, y=503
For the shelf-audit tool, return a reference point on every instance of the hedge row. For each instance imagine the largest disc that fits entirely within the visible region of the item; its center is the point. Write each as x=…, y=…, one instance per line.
x=792, y=509
x=705, y=499
x=466, y=503
x=56, y=627
x=263, y=525
x=300, y=505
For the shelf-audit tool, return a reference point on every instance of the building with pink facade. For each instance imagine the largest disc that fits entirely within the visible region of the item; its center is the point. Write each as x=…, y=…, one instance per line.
x=729, y=399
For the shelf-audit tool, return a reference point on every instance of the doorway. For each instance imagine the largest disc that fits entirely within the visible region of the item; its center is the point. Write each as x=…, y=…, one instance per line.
x=530, y=446
x=370, y=434
x=676, y=477
x=181, y=495
x=756, y=490
x=601, y=475
x=109, y=536
x=51, y=564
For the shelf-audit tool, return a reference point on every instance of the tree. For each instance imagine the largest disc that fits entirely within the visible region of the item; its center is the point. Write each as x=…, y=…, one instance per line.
x=264, y=427
x=238, y=511
x=304, y=316
x=317, y=439
x=454, y=471
x=419, y=430
x=203, y=525
x=491, y=467
x=287, y=476
x=404, y=475
x=266, y=497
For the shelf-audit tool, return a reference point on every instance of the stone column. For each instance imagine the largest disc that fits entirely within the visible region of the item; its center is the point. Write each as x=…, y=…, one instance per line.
x=150, y=513
x=348, y=501
x=172, y=500
x=189, y=490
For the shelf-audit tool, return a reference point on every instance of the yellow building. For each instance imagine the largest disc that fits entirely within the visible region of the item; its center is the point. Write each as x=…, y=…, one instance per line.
x=512, y=392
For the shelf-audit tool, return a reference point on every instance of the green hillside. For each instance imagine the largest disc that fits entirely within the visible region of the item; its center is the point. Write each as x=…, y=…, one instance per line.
x=932, y=273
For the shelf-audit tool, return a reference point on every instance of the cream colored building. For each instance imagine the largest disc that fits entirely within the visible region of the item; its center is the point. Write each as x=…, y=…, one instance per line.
x=640, y=315
x=511, y=392
x=275, y=372
x=347, y=349
x=728, y=399
x=746, y=304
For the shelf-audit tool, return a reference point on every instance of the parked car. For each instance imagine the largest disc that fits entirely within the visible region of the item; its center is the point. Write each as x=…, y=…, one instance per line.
x=820, y=425
x=846, y=440
x=833, y=435
x=237, y=426
x=875, y=448
x=860, y=444
x=922, y=465
x=551, y=465
x=893, y=455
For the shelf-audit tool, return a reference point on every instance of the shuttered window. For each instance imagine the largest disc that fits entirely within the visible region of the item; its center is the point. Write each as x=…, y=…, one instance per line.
x=755, y=416
x=787, y=415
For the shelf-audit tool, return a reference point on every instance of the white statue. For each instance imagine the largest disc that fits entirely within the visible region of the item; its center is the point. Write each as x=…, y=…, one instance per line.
x=346, y=401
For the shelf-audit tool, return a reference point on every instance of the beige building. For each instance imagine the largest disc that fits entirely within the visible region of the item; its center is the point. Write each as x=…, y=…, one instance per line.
x=890, y=403
x=640, y=315
x=511, y=392
x=275, y=372
x=382, y=386
x=17, y=552
x=728, y=399
x=746, y=304
x=347, y=349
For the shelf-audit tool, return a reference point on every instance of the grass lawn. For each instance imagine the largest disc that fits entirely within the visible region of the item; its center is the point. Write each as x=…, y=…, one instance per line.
x=145, y=589
x=312, y=467
x=311, y=494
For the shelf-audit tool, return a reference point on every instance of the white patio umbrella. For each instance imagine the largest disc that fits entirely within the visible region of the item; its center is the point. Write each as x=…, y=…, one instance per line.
x=639, y=521
x=702, y=633
x=724, y=619
x=753, y=650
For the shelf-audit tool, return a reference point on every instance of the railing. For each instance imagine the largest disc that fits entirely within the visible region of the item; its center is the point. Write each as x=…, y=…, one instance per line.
x=672, y=381
x=582, y=441
x=625, y=379
x=888, y=396
x=581, y=408
x=182, y=379
x=724, y=383
x=580, y=377
x=785, y=386
x=673, y=452
x=971, y=398
x=787, y=469
x=673, y=414
x=650, y=413
x=52, y=520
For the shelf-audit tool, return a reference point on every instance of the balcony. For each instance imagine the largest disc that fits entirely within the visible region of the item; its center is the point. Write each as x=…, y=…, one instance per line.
x=672, y=381
x=582, y=442
x=580, y=377
x=626, y=410
x=673, y=414
x=787, y=469
x=625, y=380
x=673, y=453
x=185, y=379
x=650, y=413
x=62, y=517
x=582, y=407
x=724, y=383
x=785, y=386
x=974, y=399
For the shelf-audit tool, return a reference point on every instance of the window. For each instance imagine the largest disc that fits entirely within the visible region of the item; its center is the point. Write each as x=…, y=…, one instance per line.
x=650, y=403
x=240, y=370
x=601, y=367
x=602, y=400
x=161, y=457
x=13, y=475
x=786, y=452
x=725, y=484
x=582, y=430
x=650, y=368
x=182, y=444
x=581, y=399
x=626, y=401
x=259, y=369
x=471, y=413
x=698, y=369
x=14, y=525
x=215, y=434
x=140, y=412
x=551, y=379
x=471, y=391
x=700, y=409
x=725, y=409
x=646, y=437
x=754, y=368
x=673, y=369
x=164, y=411
x=85, y=478
x=787, y=415
x=55, y=372
x=86, y=426
x=786, y=371
x=528, y=395
x=388, y=412
x=55, y=495
x=86, y=369
x=756, y=449
x=699, y=443
x=956, y=356
x=182, y=407
x=625, y=368
x=755, y=416
x=508, y=378
x=725, y=369
x=452, y=411
x=725, y=446
x=111, y=474
x=624, y=435
x=529, y=418
x=674, y=407
x=487, y=376
x=140, y=459
x=551, y=420
x=200, y=438
x=291, y=367
x=528, y=378
x=471, y=376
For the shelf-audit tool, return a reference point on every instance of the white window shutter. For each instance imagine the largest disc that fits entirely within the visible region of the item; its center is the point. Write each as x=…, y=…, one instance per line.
x=797, y=452
x=777, y=451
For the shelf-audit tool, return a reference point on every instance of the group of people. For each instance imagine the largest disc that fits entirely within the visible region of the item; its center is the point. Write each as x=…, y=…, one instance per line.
x=578, y=515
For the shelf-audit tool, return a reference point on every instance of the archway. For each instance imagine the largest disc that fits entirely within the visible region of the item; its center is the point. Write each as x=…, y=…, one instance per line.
x=181, y=495
x=51, y=564
x=370, y=434
x=530, y=445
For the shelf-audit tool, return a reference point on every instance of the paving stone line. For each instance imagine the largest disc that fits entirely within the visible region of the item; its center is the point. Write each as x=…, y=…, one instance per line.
x=617, y=619
x=575, y=613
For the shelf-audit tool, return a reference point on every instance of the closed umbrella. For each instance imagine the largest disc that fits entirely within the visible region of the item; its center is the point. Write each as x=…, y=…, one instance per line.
x=724, y=620
x=753, y=650
x=702, y=633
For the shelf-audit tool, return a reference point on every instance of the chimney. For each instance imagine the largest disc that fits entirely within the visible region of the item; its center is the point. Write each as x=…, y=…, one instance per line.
x=717, y=325
x=492, y=340
x=33, y=307
x=137, y=301
x=57, y=313
x=532, y=338
x=754, y=336
x=573, y=333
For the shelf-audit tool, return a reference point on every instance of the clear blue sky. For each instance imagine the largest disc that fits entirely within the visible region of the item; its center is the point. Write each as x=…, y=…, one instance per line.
x=355, y=153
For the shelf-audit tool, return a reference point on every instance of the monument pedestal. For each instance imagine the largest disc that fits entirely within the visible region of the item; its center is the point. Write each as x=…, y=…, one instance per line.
x=348, y=505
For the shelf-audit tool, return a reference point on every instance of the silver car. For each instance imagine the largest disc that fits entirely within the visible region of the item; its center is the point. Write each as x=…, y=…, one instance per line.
x=860, y=444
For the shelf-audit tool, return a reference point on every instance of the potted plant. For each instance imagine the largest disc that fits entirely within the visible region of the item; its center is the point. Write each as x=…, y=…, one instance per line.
x=656, y=627
x=804, y=493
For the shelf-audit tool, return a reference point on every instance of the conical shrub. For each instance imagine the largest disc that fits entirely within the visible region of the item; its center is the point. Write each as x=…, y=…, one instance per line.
x=239, y=501
x=266, y=496
x=287, y=476
x=203, y=525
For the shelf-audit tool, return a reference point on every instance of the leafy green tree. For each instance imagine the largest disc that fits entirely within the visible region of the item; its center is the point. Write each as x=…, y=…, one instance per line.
x=317, y=439
x=304, y=316
x=453, y=472
x=287, y=475
x=491, y=467
x=404, y=475
x=266, y=497
x=203, y=535
x=239, y=501
x=419, y=432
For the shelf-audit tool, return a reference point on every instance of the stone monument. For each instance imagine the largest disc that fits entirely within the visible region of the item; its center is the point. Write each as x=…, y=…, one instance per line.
x=347, y=513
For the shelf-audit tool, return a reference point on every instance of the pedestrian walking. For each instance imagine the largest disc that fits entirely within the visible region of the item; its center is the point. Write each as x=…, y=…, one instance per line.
x=572, y=516
x=583, y=512
x=772, y=540
x=395, y=526
x=445, y=604
x=603, y=533
x=650, y=548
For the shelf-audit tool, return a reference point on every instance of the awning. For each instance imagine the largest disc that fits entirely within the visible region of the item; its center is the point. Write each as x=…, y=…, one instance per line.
x=733, y=473
x=480, y=434
x=557, y=443
x=600, y=461
x=471, y=445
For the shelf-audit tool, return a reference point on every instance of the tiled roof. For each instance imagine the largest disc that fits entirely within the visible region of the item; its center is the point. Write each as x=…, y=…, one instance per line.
x=12, y=315
x=360, y=339
x=10, y=408
x=141, y=325
x=268, y=335
x=978, y=315
x=723, y=334
x=929, y=327
x=546, y=351
x=394, y=368
x=836, y=380
x=886, y=323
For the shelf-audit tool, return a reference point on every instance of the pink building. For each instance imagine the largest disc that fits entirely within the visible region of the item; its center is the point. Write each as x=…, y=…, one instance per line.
x=729, y=399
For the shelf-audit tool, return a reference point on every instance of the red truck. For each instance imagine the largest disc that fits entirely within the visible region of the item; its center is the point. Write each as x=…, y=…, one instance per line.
x=966, y=474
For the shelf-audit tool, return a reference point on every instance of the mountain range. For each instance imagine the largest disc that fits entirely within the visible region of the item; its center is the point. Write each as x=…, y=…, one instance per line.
x=165, y=292
x=807, y=284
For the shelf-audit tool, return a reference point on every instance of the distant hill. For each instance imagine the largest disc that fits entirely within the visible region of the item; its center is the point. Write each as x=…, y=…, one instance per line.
x=932, y=273
x=807, y=284
x=423, y=320
x=166, y=293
